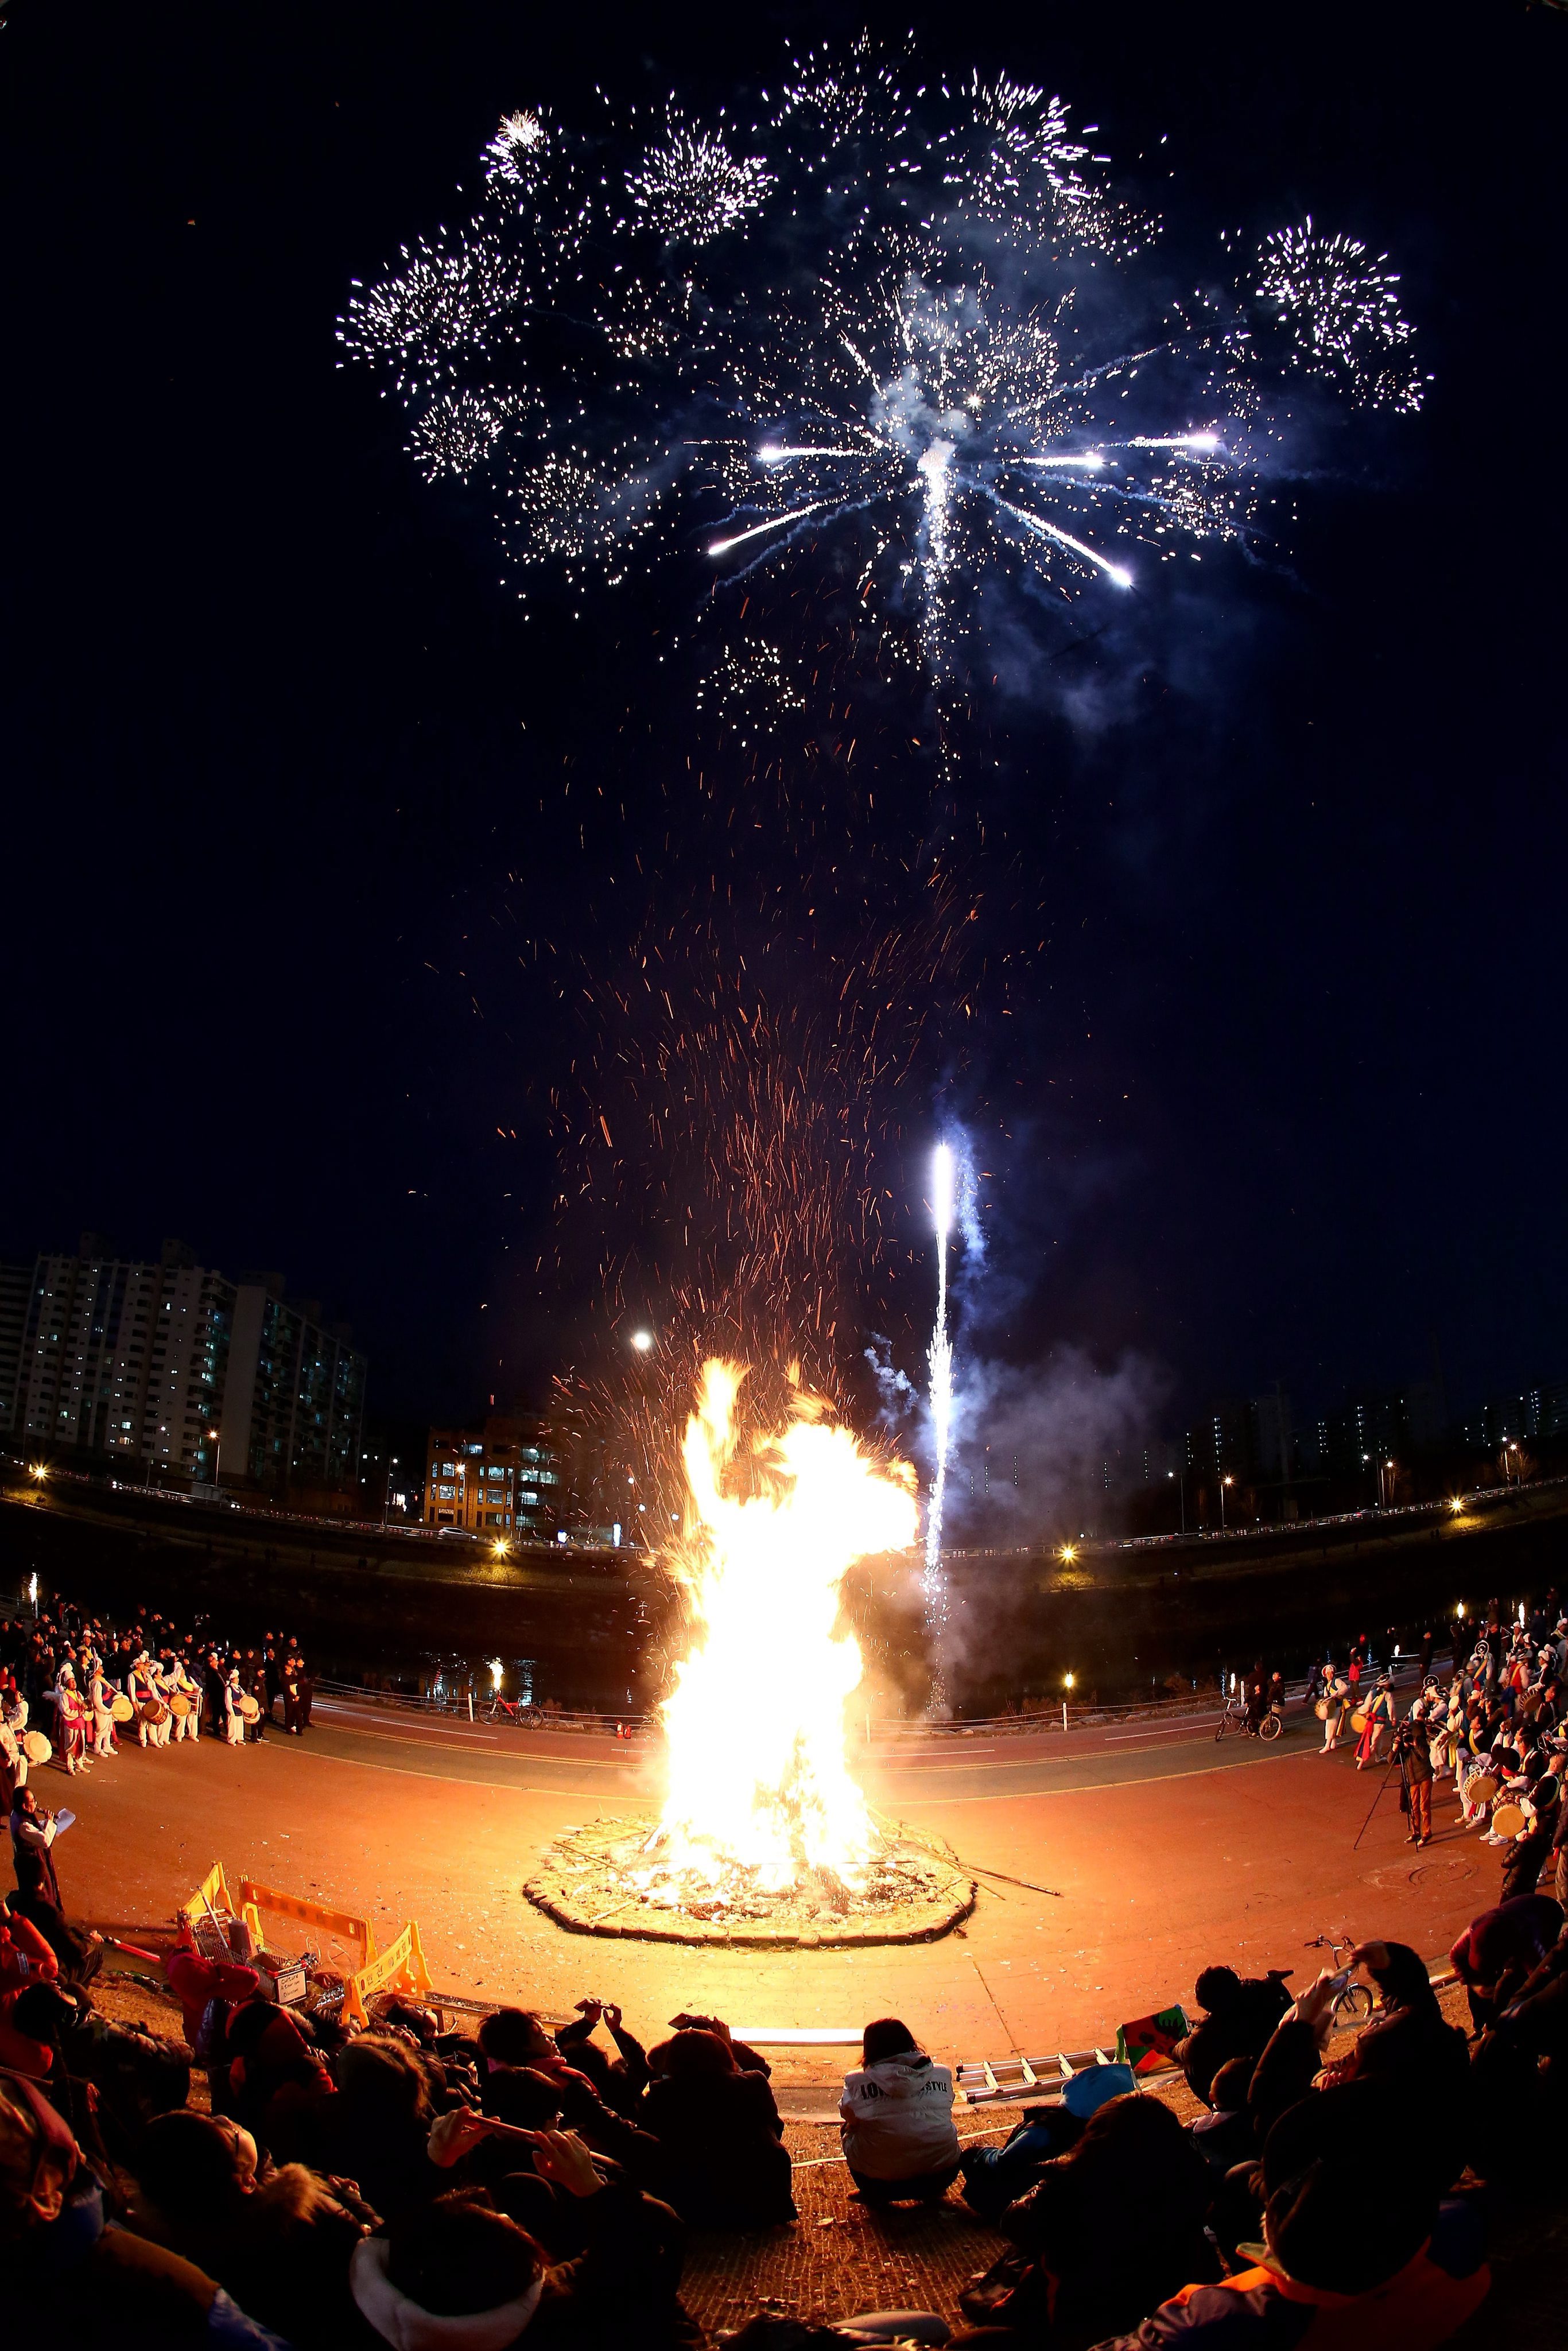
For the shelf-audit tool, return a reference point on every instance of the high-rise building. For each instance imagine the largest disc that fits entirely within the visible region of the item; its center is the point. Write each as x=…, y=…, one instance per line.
x=499, y=1479
x=1531, y=1416
x=175, y=1366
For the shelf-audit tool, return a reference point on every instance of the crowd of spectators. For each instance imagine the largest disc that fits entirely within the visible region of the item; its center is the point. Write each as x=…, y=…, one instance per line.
x=275, y=2177
x=1496, y=1727
x=85, y=1688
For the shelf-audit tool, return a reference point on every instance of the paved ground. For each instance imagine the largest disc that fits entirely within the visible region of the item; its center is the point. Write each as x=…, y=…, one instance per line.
x=1168, y=1850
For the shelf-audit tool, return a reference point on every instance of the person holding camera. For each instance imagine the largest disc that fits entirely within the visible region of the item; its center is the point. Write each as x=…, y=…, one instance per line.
x=1416, y=1773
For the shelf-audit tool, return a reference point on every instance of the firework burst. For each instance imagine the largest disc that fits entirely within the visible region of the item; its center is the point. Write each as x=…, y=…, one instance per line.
x=872, y=332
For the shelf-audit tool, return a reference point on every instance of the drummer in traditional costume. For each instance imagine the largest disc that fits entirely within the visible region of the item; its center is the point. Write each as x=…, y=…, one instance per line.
x=70, y=1722
x=14, y=1715
x=101, y=1698
x=184, y=1699
x=12, y=1762
x=141, y=1689
x=1334, y=1706
x=1378, y=1716
x=234, y=1709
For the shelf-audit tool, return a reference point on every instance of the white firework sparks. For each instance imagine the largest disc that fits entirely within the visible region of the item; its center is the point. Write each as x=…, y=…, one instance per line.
x=516, y=151
x=458, y=430
x=446, y=307
x=885, y=339
x=690, y=189
x=1340, y=303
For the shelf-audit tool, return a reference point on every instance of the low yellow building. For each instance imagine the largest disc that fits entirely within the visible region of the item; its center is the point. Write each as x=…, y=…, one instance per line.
x=500, y=1480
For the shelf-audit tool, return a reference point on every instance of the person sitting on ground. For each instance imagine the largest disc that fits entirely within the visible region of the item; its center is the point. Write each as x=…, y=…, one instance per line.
x=374, y=2129
x=71, y=2275
x=279, y=2241
x=1408, y=2041
x=1499, y=1949
x=459, y=2274
x=1224, y=2136
x=722, y=2164
x=996, y=2177
x=620, y=2081
x=512, y=2037
x=1241, y=2012
x=271, y=2078
x=25, y=1959
x=1357, y=2249
x=1111, y=2228
x=897, y=2120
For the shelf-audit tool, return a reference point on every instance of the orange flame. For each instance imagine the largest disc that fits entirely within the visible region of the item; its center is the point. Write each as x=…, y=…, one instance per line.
x=755, y=1726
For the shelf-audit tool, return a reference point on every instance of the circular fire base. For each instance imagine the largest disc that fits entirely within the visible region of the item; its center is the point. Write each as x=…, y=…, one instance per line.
x=917, y=1892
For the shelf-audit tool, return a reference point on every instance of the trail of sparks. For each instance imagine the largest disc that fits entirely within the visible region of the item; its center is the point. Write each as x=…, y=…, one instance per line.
x=939, y=1363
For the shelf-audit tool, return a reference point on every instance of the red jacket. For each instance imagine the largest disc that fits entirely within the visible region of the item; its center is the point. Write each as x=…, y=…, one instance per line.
x=24, y=1960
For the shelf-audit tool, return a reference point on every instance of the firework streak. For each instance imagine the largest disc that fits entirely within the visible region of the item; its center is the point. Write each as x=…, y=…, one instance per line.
x=940, y=1363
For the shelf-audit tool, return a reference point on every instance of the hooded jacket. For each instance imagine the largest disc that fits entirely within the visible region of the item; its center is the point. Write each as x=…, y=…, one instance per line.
x=622, y=2290
x=897, y=2118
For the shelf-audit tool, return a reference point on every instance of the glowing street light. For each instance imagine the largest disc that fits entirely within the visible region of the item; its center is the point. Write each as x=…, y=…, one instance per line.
x=643, y=1341
x=39, y=1471
x=1067, y=1682
x=1223, y=1483
x=1069, y=1554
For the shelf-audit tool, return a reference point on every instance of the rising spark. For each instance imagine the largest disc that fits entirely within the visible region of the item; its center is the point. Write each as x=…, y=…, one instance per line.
x=939, y=1362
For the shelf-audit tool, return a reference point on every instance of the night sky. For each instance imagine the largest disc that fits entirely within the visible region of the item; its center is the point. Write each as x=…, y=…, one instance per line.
x=1273, y=1086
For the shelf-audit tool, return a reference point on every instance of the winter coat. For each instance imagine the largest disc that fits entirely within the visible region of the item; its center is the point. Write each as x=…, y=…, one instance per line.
x=622, y=2291
x=283, y=2253
x=897, y=2118
x=1261, y=2309
x=723, y=2163
x=107, y=2289
x=1239, y=2028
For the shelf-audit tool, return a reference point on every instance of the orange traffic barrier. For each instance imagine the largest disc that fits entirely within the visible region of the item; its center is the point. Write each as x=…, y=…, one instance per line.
x=399, y=1967
x=254, y=1897
x=213, y=1893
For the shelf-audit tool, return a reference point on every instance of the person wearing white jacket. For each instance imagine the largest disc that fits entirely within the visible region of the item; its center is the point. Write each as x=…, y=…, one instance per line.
x=897, y=2120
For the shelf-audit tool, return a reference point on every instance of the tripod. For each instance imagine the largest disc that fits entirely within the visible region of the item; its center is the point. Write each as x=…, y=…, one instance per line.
x=1398, y=1757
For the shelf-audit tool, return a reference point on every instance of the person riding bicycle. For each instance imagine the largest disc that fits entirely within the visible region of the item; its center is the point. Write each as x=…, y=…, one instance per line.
x=1257, y=1698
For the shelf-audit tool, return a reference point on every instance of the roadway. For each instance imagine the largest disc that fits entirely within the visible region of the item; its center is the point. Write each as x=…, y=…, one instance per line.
x=1169, y=1851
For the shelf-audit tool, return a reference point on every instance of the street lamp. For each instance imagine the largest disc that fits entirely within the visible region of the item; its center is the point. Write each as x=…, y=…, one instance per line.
x=1069, y=1553
x=39, y=1471
x=1223, y=1483
x=1181, y=1488
x=212, y=1440
x=1067, y=1681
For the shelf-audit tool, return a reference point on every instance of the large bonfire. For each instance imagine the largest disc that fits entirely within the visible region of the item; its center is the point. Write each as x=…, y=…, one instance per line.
x=764, y=1836
x=759, y=1794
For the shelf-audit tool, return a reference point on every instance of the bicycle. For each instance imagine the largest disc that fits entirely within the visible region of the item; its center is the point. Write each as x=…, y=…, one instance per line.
x=1233, y=1717
x=1353, y=2001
